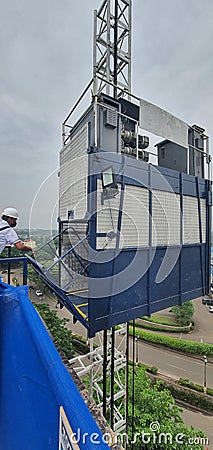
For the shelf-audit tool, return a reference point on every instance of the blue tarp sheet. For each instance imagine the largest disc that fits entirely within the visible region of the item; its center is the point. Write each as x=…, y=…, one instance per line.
x=34, y=382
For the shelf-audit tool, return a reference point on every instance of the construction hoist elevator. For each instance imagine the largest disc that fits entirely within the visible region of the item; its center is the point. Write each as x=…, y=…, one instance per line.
x=134, y=216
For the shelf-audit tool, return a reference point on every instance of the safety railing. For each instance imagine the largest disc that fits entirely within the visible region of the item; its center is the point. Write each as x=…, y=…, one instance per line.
x=7, y=269
x=64, y=258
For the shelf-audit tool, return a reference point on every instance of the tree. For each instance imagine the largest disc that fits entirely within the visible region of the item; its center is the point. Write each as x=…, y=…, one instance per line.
x=62, y=337
x=157, y=419
x=184, y=313
x=34, y=278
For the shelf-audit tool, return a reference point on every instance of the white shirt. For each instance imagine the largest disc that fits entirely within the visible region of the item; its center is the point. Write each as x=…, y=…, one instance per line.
x=7, y=236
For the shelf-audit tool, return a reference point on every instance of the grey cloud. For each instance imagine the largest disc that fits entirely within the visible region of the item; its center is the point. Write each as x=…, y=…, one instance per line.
x=46, y=62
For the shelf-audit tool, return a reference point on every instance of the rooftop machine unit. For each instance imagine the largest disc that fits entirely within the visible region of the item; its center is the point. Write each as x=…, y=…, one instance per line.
x=187, y=160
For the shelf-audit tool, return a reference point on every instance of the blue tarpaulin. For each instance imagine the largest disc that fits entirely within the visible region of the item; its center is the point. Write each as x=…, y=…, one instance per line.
x=34, y=382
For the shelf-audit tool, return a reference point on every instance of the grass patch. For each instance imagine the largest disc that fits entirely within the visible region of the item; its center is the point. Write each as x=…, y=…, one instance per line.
x=162, y=320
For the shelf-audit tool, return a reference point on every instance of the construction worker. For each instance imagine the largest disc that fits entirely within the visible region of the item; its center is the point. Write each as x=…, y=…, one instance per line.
x=7, y=234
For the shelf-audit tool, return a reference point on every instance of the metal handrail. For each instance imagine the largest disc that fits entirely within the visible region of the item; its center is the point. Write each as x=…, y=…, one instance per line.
x=71, y=250
x=22, y=259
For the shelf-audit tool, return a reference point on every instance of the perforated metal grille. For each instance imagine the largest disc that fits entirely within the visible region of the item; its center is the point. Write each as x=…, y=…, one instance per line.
x=134, y=222
x=190, y=220
x=135, y=217
x=107, y=218
x=191, y=234
x=73, y=275
x=73, y=176
x=166, y=218
x=110, y=118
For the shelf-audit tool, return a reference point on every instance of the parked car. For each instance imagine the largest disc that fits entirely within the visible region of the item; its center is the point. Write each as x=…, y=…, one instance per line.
x=210, y=308
x=39, y=293
x=207, y=301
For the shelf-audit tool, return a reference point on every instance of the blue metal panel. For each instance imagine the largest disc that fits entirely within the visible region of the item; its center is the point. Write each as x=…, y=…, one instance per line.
x=134, y=302
x=136, y=282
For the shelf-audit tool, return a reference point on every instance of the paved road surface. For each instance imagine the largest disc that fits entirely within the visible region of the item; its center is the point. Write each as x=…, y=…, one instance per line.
x=175, y=365
x=203, y=323
x=200, y=421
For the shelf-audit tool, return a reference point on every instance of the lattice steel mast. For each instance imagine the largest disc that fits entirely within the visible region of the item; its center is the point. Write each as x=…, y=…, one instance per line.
x=112, y=48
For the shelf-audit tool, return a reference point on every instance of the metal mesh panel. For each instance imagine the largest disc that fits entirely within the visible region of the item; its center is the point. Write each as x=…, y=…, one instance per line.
x=107, y=218
x=47, y=254
x=73, y=275
x=166, y=218
x=191, y=228
x=134, y=222
x=73, y=176
x=70, y=270
x=190, y=220
x=135, y=217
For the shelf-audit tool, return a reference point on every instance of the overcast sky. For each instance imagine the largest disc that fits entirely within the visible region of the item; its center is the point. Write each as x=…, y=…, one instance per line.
x=46, y=62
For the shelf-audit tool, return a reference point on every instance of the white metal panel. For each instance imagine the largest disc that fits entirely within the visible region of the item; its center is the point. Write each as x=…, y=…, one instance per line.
x=107, y=218
x=165, y=218
x=135, y=217
x=162, y=123
x=134, y=222
x=73, y=176
x=191, y=233
x=191, y=220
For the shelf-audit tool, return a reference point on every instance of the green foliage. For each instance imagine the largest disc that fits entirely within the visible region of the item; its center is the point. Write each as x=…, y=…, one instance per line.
x=176, y=344
x=80, y=345
x=197, y=387
x=184, y=313
x=209, y=391
x=15, y=282
x=192, y=398
x=151, y=326
x=152, y=369
x=61, y=335
x=157, y=423
x=34, y=278
x=162, y=320
x=157, y=420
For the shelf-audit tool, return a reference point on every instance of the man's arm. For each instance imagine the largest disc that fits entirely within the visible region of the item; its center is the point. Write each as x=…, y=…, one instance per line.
x=22, y=247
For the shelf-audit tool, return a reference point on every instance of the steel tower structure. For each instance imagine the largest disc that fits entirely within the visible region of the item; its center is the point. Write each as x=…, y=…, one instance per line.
x=112, y=47
x=112, y=75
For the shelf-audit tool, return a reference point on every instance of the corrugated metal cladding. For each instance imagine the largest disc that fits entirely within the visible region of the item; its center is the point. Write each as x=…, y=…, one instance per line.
x=135, y=217
x=73, y=176
x=134, y=222
x=107, y=217
x=191, y=233
x=166, y=218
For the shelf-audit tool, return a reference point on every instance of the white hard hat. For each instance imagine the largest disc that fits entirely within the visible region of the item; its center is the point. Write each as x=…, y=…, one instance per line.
x=10, y=212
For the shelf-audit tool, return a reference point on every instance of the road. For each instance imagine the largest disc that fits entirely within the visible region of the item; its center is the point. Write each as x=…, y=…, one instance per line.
x=175, y=365
x=203, y=323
